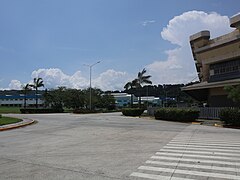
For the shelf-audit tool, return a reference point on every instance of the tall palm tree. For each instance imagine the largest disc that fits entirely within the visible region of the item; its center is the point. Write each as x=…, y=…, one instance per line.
x=140, y=81
x=37, y=82
x=25, y=90
x=130, y=85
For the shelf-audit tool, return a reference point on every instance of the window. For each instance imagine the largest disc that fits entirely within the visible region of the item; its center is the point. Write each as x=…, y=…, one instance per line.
x=225, y=67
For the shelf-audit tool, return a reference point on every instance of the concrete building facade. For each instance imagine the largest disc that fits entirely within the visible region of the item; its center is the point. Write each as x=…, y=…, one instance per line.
x=15, y=98
x=218, y=65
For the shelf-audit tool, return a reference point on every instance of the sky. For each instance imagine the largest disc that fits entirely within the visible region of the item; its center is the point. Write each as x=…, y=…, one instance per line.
x=57, y=39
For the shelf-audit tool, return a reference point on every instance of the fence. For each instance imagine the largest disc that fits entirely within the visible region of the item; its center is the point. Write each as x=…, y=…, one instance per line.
x=204, y=112
x=209, y=112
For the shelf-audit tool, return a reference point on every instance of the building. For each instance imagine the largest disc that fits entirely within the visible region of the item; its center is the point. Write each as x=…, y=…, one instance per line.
x=15, y=98
x=218, y=65
x=124, y=99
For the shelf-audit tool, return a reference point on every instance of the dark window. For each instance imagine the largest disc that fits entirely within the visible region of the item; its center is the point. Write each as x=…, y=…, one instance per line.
x=225, y=70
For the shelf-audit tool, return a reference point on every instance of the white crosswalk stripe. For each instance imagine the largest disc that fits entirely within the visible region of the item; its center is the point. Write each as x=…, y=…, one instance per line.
x=197, y=156
x=192, y=155
x=191, y=165
x=203, y=149
x=202, y=152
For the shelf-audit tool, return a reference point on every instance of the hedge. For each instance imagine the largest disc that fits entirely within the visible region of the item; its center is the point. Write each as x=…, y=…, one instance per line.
x=40, y=110
x=132, y=111
x=176, y=114
x=230, y=116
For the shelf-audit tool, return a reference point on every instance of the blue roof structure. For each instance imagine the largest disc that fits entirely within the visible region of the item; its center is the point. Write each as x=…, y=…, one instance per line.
x=19, y=97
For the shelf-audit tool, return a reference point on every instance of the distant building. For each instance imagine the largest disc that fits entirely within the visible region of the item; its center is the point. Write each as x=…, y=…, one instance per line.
x=124, y=99
x=218, y=65
x=15, y=98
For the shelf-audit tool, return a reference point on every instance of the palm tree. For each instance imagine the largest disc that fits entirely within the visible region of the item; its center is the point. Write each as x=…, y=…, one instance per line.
x=130, y=85
x=37, y=82
x=140, y=81
x=25, y=90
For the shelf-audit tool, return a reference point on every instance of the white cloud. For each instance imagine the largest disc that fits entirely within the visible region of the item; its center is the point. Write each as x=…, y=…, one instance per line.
x=15, y=84
x=108, y=80
x=147, y=22
x=111, y=80
x=179, y=66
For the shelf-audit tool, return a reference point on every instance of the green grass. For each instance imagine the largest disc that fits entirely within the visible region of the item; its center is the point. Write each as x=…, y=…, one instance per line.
x=5, y=110
x=8, y=120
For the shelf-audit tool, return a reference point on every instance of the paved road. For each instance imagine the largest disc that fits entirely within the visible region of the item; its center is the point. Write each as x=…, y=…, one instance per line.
x=110, y=146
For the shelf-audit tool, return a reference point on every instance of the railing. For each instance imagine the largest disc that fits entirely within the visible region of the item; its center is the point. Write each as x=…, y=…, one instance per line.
x=209, y=112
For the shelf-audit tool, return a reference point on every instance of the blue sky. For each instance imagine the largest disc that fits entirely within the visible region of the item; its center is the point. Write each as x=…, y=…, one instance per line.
x=53, y=39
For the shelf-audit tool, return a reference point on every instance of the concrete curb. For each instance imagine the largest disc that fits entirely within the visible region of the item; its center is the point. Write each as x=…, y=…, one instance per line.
x=24, y=122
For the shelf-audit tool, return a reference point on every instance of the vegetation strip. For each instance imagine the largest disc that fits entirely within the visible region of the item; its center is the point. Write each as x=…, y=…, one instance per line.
x=8, y=120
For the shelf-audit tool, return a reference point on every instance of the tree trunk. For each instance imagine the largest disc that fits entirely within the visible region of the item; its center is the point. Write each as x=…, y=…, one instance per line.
x=140, y=102
x=36, y=98
x=25, y=103
x=140, y=99
x=131, y=103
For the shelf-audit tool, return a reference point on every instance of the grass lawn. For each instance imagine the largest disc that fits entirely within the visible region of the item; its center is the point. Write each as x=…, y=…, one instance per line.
x=4, y=110
x=8, y=120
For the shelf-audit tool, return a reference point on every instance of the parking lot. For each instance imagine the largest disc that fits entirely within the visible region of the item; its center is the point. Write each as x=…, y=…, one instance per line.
x=111, y=146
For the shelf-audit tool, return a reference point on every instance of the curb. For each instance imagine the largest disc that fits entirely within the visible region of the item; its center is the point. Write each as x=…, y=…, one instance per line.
x=24, y=122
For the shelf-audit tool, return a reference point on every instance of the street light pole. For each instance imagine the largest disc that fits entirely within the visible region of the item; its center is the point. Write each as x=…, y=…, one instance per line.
x=90, y=83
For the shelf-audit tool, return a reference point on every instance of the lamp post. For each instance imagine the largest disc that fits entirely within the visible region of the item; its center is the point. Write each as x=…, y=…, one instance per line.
x=90, y=83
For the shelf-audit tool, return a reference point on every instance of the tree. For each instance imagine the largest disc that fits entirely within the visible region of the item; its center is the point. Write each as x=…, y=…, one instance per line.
x=25, y=90
x=140, y=81
x=37, y=83
x=106, y=101
x=233, y=92
x=74, y=98
x=55, y=98
x=128, y=86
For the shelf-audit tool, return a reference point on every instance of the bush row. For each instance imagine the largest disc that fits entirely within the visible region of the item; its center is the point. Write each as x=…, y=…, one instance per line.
x=230, y=116
x=132, y=111
x=176, y=114
x=40, y=110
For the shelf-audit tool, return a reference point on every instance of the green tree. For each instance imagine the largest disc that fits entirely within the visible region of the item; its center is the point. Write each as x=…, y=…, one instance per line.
x=55, y=98
x=25, y=89
x=129, y=86
x=74, y=98
x=140, y=81
x=37, y=83
x=106, y=101
x=233, y=92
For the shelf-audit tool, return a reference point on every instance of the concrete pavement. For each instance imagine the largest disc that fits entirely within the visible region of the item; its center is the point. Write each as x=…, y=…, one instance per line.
x=198, y=152
x=111, y=146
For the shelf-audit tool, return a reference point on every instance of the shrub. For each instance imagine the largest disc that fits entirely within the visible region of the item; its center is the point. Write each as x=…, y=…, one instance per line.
x=176, y=114
x=132, y=111
x=40, y=110
x=230, y=116
x=0, y=116
x=84, y=111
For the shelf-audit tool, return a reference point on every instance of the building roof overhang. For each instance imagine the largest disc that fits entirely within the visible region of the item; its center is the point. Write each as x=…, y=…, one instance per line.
x=208, y=85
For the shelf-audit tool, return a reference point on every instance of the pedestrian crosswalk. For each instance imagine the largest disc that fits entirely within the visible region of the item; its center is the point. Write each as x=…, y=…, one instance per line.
x=193, y=154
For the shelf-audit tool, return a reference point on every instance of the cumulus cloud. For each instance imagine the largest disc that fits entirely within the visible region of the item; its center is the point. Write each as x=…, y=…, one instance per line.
x=111, y=80
x=15, y=84
x=54, y=77
x=108, y=80
x=179, y=66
